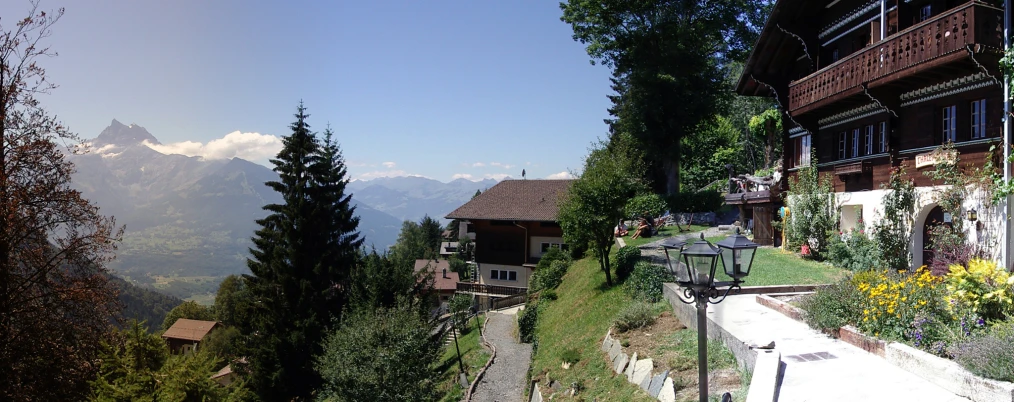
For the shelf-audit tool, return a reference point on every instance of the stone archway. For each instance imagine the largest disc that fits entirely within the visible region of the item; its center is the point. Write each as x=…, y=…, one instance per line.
x=919, y=240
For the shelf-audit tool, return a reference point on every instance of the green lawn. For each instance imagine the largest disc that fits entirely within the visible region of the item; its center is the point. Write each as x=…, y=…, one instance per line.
x=668, y=231
x=774, y=266
x=473, y=356
x=578, y=320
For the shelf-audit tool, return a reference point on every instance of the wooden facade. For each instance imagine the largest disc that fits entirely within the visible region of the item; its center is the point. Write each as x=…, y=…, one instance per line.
x=868, y=105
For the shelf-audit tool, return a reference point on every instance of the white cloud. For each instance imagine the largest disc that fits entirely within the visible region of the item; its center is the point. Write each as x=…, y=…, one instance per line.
x=465, y=176
x=478, y=164
x=386, y=173
x=250, y=146
x=561, y=175
x=389, y=165
x=496, y=176
x=103, y=148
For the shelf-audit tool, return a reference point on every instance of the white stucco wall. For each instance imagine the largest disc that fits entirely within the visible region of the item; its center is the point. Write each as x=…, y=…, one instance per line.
x=535, y=247
x=485, y=275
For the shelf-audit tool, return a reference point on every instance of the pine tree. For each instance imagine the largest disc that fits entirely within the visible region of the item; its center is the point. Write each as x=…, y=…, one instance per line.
x=302, y=256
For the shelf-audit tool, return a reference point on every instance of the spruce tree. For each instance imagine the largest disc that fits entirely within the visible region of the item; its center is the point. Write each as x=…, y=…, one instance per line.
x=302, y=255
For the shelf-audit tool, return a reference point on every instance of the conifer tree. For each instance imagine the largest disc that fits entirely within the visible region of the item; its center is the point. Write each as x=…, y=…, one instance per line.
x=302, y=256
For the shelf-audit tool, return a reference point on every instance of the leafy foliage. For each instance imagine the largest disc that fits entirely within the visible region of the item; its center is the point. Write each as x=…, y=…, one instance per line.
x=894, y=302
x=989, y=355
x=142, y=304
x=550, y=277
x=813, y=212
x=636, y=315
x=594, y=204
x=232, y=302
x=626, y=257
x=384, y=280
x=892, y=233
x=835, y=306
x=190, y=310
x=302, y=259
x=384, y=355
x=854, y=250
x=460, y=306
x=528, y=320
x=647, y=206
x=56, y=301
x=136, y=365
x=646, y=282
x=983, y=288
x=696, y=201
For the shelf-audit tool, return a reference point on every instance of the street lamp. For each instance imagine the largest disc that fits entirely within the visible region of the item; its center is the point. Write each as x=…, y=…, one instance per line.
x=694, y=271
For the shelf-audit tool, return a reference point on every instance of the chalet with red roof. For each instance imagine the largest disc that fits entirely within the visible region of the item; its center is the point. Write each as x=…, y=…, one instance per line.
x=445, y=281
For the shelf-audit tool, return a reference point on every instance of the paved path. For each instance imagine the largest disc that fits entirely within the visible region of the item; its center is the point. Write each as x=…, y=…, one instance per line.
x=850, y=374
x=504, y=381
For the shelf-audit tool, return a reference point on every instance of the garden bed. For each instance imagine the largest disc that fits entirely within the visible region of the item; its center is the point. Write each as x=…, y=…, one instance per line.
x=945, y=373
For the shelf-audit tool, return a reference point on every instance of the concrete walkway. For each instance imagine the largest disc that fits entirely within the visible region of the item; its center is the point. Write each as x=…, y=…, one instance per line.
x=816, y=366
x=504, y=381
x=829, y=369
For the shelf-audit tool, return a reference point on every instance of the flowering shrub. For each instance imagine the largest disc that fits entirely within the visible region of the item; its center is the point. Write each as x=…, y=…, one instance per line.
x=854, y=250
x=902, y=306
x=989, y=355
x=983, y=289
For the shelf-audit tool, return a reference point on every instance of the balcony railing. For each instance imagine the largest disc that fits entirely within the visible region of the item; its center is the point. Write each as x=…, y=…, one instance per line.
x=969, y=24
x=491, y=290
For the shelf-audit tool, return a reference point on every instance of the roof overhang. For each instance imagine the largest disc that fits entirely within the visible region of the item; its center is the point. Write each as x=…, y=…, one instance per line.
x=778, y=46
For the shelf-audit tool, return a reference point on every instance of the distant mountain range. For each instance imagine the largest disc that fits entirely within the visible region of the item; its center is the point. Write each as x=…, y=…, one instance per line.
x=411, y=198
x=186, y=217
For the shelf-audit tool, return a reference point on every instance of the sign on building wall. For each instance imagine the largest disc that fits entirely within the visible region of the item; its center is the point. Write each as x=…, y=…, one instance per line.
x=935, y=157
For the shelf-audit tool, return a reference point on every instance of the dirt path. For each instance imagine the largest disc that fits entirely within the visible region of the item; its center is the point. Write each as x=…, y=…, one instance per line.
x=504, y=381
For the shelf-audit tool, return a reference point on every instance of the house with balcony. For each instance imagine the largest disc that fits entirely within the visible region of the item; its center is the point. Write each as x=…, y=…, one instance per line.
x=512, y=225
x=870, y=85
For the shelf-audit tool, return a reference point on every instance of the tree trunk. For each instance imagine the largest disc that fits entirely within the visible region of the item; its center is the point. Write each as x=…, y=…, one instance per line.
x=672, y=176
x=604, y=264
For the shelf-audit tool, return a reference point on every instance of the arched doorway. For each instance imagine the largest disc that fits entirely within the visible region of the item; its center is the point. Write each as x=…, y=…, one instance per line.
x=936, y=217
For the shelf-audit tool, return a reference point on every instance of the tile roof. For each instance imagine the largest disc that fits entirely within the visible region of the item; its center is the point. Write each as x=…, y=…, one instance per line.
x=187, y=329
x=516, y=200
x=437, y=267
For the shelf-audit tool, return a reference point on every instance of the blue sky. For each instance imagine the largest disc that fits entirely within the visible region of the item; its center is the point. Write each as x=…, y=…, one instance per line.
x=441, y=89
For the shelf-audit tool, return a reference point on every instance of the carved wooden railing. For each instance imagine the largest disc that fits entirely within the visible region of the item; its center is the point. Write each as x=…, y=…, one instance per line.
x=966, y=25
x=509, y=301
x=495, y=290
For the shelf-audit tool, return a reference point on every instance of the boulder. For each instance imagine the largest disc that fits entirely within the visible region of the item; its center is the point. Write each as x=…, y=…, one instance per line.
x=641, y=371
x=630, y=367
x=620, y=363
x=668, y=392
x=655, y=385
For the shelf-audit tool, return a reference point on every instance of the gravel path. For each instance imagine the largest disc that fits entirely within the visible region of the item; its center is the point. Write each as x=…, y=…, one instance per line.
x=504, y=381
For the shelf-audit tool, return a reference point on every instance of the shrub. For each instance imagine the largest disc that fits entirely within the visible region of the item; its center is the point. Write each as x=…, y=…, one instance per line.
x=647, y=206
x=527, y=321
x=549, y=277
x=893, y=232
x=813, y=212
x=835, y=306
x=906, y=307
x=983, y=288
x=624, y=262
x=989, y=355
x=548, y=294
x=636, y=315
x=553, y=255
x=570, y=356
x=854, y=250
x=460, y=306
x=645, y=284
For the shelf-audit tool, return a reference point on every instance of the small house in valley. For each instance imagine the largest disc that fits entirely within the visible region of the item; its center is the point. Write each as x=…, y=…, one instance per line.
x=185, y=334
x=444, y=280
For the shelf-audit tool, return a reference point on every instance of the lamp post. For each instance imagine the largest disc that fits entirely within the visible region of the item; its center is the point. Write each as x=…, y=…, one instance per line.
x=694, y=270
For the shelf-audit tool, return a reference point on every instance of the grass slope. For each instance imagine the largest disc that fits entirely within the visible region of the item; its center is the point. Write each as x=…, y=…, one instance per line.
x=473, y=356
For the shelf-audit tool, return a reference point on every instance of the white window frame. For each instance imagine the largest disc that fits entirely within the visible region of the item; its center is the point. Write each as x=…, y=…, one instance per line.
x=512, y=274
x=883, y=137
x=869, y=140
x=978, y=119
x=803, y=151
x=855, y=142
x=841, y=145
x=950, y=124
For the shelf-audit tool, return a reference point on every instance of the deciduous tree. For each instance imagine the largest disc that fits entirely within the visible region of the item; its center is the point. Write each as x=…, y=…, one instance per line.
x=56, y=301
x=190, y=310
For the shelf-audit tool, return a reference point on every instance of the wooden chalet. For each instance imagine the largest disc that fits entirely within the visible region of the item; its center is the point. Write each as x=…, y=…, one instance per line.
x=870, y=85
x=185, y=335
x=513, y=224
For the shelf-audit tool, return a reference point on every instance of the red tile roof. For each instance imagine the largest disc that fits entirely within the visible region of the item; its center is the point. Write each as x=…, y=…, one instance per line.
x=191, y=330
x=516, y=200
x=436, y=267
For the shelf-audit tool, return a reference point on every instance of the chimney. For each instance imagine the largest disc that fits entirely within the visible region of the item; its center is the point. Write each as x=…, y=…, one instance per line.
x=445, y=272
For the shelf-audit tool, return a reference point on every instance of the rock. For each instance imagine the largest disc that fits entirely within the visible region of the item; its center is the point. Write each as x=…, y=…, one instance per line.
x=620, y=363
x=607, y=343
x=641, y=371
x=555, y=385
x=630, y=367
x=656, y=384
x=615, y=350
x=463, y=380
x=536, y=394
x=646, y=382
x=668, y=392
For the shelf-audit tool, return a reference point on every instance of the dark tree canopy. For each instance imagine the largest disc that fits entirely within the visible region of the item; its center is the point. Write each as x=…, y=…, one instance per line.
x=664, y=53
x=303, y=254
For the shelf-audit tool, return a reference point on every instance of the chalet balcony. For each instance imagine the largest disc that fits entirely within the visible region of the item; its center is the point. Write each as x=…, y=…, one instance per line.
x=752, y=197
x=490, y=290
x=942, y=39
